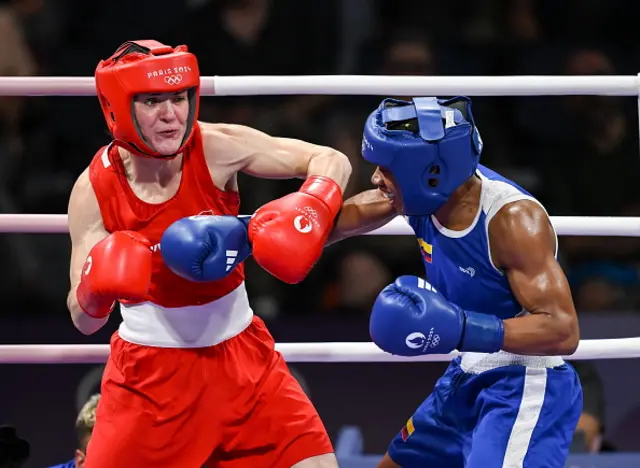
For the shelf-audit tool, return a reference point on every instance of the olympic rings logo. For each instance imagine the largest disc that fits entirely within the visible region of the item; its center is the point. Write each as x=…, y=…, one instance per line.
x=310, y=211
x=173, y=79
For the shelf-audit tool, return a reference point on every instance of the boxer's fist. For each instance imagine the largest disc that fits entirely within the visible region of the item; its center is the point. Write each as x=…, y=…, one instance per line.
x=117, y=268
x=205, y=248
x=287, y=235
x=410, y=318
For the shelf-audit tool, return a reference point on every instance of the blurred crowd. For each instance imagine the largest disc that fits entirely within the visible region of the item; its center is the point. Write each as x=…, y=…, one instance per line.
x=577, y=154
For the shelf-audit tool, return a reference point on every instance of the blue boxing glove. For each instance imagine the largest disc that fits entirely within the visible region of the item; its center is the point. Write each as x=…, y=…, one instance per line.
x=410, y=318
x=204, y=247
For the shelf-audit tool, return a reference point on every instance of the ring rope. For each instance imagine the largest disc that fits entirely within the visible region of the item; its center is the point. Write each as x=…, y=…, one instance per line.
x=564, y=225
x=533, y=85
x=618, y=348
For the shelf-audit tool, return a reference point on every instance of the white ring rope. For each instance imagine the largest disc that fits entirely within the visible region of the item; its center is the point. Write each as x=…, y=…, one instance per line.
x=564, y=225
x=533, y=85
x=618, y=348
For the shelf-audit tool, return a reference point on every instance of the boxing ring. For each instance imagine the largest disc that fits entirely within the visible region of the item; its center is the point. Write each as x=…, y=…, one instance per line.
x=619, y=348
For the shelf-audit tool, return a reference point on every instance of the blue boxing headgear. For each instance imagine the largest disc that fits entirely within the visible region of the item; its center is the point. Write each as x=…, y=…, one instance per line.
x=431, y=161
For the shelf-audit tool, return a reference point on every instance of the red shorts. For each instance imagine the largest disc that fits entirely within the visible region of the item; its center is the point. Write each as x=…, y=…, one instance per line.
x=232, y=405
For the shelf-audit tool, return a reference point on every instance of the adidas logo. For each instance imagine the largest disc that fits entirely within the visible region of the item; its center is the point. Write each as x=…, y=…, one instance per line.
x=232, y=255
x=422, y=284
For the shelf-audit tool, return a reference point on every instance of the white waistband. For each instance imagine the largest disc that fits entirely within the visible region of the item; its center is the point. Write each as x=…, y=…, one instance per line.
x=475, y=363
x=186, y=327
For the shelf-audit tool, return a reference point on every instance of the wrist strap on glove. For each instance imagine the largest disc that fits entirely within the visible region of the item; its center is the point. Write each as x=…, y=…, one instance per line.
x=482, y=333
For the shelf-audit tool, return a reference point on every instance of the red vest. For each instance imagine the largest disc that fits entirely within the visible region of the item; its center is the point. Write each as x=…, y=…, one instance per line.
x=122, y=210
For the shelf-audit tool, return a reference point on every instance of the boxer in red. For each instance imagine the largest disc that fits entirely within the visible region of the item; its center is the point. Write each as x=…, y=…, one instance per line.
x=193, y=378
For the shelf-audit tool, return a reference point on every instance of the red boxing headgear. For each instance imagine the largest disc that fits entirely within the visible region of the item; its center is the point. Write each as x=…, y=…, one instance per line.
x=141, y=67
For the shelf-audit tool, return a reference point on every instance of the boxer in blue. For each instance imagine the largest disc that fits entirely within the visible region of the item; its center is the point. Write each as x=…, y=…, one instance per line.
x=493, y=291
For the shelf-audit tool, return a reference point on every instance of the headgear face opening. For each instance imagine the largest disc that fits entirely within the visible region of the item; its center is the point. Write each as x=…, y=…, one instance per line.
x=430, y=160
x=145, y=67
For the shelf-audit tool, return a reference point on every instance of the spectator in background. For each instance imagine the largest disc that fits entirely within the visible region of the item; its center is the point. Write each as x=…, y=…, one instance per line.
x=521, y=24
x=84, y=428
x=590, y=430
x=401, y=53
x=408, y=52
x=584, y=150
x=265, y=37
x=16, y=59
x=600, y=153
x=14, y=451
x=361, y=276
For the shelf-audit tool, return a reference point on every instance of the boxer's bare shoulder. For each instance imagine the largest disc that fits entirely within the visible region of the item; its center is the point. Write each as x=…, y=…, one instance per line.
x=83, y=210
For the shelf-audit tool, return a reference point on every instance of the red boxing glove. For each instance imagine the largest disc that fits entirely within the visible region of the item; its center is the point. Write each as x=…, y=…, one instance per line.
x=117, y=267
x=288, y=234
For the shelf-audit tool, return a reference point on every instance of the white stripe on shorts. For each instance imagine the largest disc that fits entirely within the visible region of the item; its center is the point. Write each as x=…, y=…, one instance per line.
x=535, y=384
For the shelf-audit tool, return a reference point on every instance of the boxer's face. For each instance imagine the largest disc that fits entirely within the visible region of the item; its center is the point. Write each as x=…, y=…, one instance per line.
x=162, y=120
x=387, y=185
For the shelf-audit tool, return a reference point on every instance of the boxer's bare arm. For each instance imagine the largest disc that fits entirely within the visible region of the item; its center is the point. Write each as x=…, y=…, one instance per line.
x=244, y=149
x=523, y=245
x=86, y=230
x=362, y=213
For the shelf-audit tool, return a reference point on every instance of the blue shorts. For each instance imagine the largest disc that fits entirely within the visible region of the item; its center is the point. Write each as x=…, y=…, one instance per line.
x=511, y=416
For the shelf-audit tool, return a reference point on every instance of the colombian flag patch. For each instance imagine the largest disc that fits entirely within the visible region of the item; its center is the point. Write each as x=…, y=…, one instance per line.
x=426, y=250
x=407, y=430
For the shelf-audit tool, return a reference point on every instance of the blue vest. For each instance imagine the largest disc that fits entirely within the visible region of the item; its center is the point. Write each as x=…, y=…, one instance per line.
x=69, y=464
x=458, y=263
